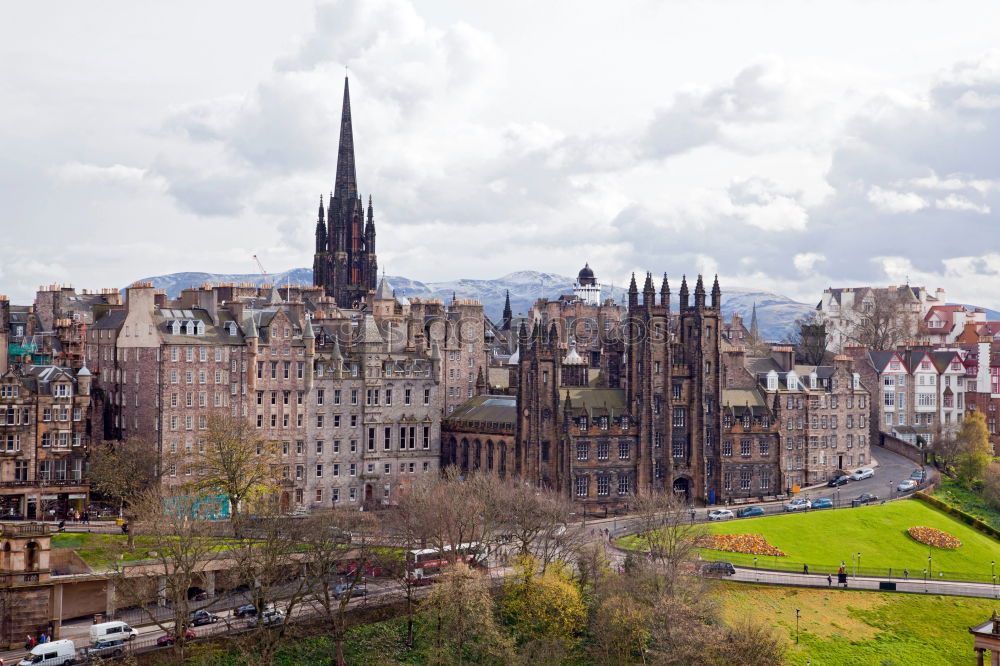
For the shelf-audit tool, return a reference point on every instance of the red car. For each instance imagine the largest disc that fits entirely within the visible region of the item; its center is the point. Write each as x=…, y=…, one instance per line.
x=169, y=639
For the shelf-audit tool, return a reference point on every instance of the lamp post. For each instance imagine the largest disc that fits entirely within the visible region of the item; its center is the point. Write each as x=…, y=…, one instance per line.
x=858, y=567
x=796, y=626
x=925, y=580
x=930, y=562
x=757, y=573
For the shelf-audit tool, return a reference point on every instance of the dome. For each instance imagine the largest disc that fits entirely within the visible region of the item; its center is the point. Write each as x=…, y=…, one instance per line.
x=585, y=276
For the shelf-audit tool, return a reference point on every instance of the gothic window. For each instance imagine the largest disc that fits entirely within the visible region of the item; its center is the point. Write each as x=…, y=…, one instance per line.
x=727, y=448
x=746, y=421
x=745, y=448
x=678, y=420
x=765, y=480
x=727, y=420
x=764, y=445
x=727, y=480
x=623, y=484
x=676, y=390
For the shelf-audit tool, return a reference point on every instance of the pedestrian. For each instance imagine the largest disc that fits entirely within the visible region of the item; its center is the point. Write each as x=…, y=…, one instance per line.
x=692, y=515
x=805, y=569
x=44, y=638
x=829, y=580
x=29, y=642
x=906, y=574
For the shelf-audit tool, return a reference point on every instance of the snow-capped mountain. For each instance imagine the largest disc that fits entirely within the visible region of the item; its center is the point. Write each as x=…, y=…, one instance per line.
x=776, y=314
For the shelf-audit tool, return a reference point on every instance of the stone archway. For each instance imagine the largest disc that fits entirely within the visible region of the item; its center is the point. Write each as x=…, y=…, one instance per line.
x=465, y=455
x=489, y=454
x=682, y=487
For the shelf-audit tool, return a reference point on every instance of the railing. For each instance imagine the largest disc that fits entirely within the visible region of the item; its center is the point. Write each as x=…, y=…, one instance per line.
x=44, y=482
x=24, y=529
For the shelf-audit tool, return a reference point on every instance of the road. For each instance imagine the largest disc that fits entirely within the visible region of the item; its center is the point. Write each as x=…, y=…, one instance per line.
x=911, y=585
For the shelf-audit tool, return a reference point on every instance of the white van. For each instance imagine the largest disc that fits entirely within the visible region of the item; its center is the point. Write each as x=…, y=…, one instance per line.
x=53, y=653
x=109, y=631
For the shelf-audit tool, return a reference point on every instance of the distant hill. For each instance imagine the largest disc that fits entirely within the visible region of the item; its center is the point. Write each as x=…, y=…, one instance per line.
x=776, y=314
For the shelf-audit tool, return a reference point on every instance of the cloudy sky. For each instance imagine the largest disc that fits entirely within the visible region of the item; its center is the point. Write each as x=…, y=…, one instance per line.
x=789, y=146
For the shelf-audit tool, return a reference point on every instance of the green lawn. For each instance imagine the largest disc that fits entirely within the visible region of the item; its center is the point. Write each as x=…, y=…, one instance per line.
x=853, y=627
x=968, y=501
x=825, y=538
x=100, y=551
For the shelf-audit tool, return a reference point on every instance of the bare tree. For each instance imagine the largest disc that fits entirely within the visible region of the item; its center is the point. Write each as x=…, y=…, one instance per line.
x=237, y=463
x=670, y=538
x=271, y=563
x=535, y=521
x=809, y=338
x=882, y=320
x=122, y=472
x=181, y=548
x=339, y=545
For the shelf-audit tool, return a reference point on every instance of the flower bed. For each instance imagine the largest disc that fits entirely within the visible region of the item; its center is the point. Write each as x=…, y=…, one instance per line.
x=752, y=544
x=934, y=537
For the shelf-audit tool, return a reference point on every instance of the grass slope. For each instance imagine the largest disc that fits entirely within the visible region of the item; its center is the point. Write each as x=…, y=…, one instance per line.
x=958, y=496
x=878, y=532
x=854, y=627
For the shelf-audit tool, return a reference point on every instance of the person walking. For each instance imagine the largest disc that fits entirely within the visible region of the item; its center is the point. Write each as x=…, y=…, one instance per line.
x=906, y=574
x=29, y=642
x=829, y=580
x=805, y=569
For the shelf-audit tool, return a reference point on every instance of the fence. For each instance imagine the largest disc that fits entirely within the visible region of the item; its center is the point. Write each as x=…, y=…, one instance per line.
x=771, y=563
x=911, y=586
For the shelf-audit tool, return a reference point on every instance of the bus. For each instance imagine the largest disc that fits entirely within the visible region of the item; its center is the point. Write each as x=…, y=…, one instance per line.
x=425, y=562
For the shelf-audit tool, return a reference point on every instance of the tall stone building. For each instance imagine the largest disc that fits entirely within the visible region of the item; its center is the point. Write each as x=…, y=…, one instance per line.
x=645, y=417
x=345, y=264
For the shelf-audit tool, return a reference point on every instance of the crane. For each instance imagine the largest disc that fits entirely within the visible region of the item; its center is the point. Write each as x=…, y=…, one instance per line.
x=260, y=265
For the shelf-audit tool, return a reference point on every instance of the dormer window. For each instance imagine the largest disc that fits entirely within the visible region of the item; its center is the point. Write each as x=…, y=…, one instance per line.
x=63, y=391
x=746, y=421
x=856, y=381
x=772, y=381
x=792, y=380
x=231, y=327
x=583, y=423
x=812, y=380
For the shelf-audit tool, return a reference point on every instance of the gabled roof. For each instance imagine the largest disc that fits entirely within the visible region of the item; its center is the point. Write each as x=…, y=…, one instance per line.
x=486, y=409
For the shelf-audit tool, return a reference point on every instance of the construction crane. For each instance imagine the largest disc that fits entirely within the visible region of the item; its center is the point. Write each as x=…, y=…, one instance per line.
x=260, y=265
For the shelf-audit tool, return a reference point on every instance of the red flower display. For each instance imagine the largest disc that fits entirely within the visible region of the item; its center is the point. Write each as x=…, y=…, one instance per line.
x=934, y=537
x=753, y=544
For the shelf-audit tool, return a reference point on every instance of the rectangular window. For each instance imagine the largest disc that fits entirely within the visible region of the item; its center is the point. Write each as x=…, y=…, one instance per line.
x=745, y=448
x=727, y=448
x=623, y=485
x=623, y=450
x=603, y=485
x=581, y=486
x=678, y=419
x=603, y=451
x=582, y=451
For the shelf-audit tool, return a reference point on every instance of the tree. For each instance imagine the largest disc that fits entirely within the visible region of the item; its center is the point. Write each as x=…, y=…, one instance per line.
x=122, y=471
x=337, y=545
x=534, y=521
x=881, y=320
x=975, y=449
x=542, y=605
x=749, y=644
x=269, y=560
x=462, y=614
x=670, y=538
x=991, y=485
x=181, y=551
x=236, y=462
x=809, y=339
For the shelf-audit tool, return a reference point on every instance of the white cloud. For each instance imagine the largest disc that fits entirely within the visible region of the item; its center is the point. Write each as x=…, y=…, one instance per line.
x=960, y=203
x=80, y=172
x=805, y=262
x=890, y=201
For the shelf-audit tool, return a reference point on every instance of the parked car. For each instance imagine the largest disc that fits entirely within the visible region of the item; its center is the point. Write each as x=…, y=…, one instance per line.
x=105, y=649
x=838, y=480
x=823, y=502
x=170, y=639
x=917, y=475
x=863, y=473
x=53, y=653
x=358, y=590
x=249, y=610
x=718, y=569
x=720, y=514
x=865, y=498
x=748, y=511
x=269, y=617
x=111, y=631
x=906, y=485
x=200, y=617
x=798, y=504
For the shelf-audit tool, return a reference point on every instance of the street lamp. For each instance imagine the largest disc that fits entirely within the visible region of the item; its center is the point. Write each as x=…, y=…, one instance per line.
x=796, y=626
x=930, y=562
x=859, y=565
x=925, y=580
x=757, y=573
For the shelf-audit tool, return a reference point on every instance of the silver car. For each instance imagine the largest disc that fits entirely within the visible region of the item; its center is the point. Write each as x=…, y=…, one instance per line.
x=798, y=504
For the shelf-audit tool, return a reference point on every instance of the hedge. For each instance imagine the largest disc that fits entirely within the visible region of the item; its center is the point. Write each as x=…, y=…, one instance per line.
x=966, y=518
